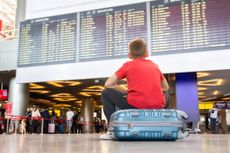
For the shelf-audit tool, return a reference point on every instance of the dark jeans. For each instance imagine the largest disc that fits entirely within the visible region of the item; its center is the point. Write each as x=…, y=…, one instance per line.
x=112, y=99
x=213, y=124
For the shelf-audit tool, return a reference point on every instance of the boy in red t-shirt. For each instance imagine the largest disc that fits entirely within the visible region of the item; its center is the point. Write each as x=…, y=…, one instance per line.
x=145, y=82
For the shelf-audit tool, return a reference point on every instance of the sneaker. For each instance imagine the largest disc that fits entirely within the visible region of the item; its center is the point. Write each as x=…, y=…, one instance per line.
x=182, y=135
x=106, y=136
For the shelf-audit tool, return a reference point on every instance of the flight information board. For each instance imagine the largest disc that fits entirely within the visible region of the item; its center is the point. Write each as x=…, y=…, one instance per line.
x=49, y=40
x=171, y=26
x=189, y=25
x=105, y=33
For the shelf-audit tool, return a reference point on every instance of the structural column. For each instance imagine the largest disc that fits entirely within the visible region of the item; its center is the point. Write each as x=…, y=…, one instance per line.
x=87, y=113
x=20, y=12
x=187, y=96
x=19, y=96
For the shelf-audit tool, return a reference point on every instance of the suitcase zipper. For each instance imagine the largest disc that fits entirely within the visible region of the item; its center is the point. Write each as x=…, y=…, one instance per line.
x=144, y=124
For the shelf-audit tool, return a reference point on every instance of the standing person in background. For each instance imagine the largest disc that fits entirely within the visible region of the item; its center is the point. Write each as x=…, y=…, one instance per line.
x=97, y=126
x=69, y=119
x=28, y=120
x=53, y=116
x=219, y=124
x=46, y=116
x=35, y=119
x=145, y=80
x=207, y=123
x=213, y=118
x=80, y=123
x=75, y=121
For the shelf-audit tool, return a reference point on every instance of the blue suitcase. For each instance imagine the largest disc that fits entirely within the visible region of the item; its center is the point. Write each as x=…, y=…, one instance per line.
x=148, y=124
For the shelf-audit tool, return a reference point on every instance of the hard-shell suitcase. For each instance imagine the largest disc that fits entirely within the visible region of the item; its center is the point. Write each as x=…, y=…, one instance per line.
x=51, y=128
x=148, y=124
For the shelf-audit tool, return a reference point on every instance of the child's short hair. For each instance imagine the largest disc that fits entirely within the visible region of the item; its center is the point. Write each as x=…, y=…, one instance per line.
x=137, y=48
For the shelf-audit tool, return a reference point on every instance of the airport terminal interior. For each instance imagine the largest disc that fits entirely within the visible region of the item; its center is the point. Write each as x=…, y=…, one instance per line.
x=55, y=57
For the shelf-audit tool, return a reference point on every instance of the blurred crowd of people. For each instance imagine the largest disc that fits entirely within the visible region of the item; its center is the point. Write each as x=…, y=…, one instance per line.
x=67, y=122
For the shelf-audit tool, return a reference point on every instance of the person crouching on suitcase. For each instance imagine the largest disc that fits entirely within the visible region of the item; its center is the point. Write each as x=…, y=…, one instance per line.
x=145, y=80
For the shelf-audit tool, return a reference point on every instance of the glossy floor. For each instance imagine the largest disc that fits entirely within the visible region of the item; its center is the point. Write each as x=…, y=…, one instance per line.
x=90, y=143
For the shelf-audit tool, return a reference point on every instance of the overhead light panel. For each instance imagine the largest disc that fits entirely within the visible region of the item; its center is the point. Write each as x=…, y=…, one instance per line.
x=55, y=84
x=202, y=74
x=215, y=92
x=202, y=88
x=63, y=95
x=226, y=98
x=94, y=88
x=69, y=83
x=212, y=82
x=36, y=86
x=78, y=102
x=64, y=83
x=88, y=94
x=202, y=96
x=40, y=91
x=63, y=99
x=201, y=93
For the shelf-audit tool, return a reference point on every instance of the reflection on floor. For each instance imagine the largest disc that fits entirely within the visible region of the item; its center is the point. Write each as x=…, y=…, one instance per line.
x=90, y=143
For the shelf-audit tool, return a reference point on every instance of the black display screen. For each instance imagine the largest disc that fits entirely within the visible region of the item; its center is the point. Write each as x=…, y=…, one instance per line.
x=105, y=33
x=190, y=25
x=49, y=40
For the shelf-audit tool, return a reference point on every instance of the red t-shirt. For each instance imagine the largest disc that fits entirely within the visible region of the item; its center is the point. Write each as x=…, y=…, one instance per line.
x=144, y=83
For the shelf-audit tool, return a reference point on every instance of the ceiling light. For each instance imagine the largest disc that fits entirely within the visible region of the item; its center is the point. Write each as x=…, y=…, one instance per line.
x=215, y=92
x=85, y=94
x=219, y=82
x=66, y=95
x=55, y=84
x=70, y=83
x=88, y=94
x=64, y=83
x=65, y=99
x=94, y=88
x=78, y=102
x=202, y=88
x=226, y=98
x=40, y=91
x=200, y=93
x=202, y=74
x=36, y=86
x=202, y=96
x=212, y=82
